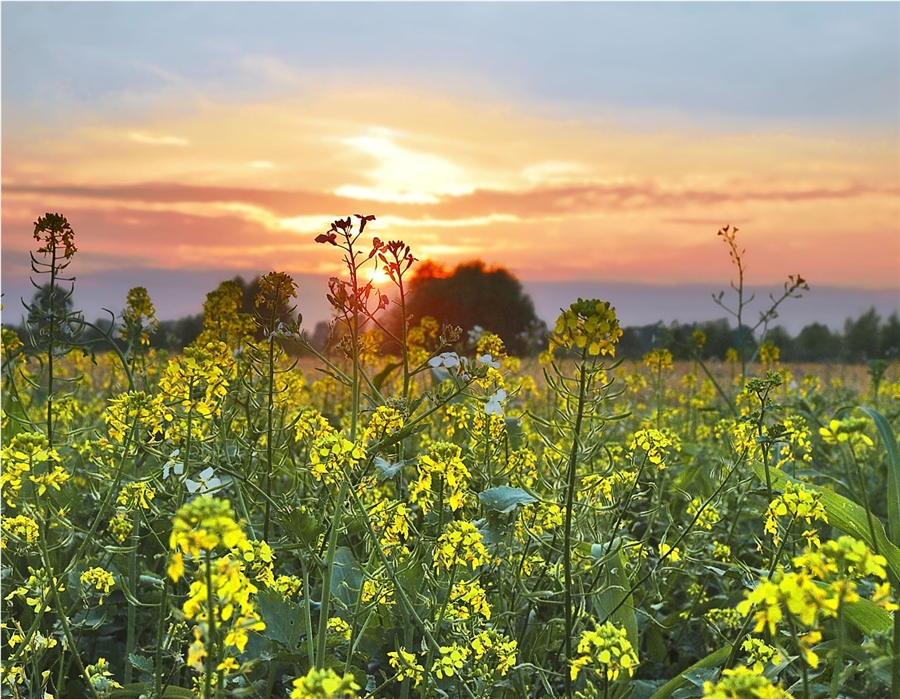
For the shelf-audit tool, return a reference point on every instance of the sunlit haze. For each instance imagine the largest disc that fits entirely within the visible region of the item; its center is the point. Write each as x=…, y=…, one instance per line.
x=583, y=146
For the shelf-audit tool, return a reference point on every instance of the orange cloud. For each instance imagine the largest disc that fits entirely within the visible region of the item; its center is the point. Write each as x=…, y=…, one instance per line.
x=548, y=196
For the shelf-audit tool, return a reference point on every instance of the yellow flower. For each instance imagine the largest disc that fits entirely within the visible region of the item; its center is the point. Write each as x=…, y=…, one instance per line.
x=460, y=543
x=324, y=684
x=331, y=454
x=588, y=324
x=136, y=495
x=204, y=524
x=22, y=527
x=743, y=683
x=608, y=650
x=761, y=653
x=495, y=653
x=797, y=501
x=406, y=666
x=444, y=462
x=98, y=578
x=339, y=627
x=452, y=658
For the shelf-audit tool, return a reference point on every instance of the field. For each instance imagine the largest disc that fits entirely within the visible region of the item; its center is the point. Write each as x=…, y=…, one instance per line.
x=449, y=522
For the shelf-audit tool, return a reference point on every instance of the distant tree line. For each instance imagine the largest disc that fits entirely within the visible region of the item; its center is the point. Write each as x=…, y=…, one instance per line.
x=491, y=298
x=866, y=338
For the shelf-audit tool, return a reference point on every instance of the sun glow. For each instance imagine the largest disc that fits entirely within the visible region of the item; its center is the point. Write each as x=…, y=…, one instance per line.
x=379, y=277
x=403, y=175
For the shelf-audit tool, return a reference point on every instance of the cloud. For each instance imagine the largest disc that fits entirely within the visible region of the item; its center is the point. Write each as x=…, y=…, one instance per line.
x=153, y=140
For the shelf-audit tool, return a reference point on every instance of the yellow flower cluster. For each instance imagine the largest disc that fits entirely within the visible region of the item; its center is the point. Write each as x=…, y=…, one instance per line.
x=259, y=558
x=223, y=320
x=324, y=684
x=708, y=517
x=847, y=430
x=120, y=527
x=761, y=653
x=98, y=579
x=655, y=445
x=452, y=659
x=800, y=503
x=406, y=666
x=331, y=454
x=234, y=613
x=658, y=361
x=461, y=543
x=135, y=409
x=390, y=521
x=201, y=526
x=537, y=518
x=495, y=652
x=606, y=649
x=590, y=325
x=22, y=455
x=21, y=527
x=769, y=353
x=743, y=683
x=36, y=589
x=339, y=627
x=443, y=460
x=383, y=423
x=726, y=617
x=136, y=495
x=468, y=598
x=139, y=316
x=842, y=563
x=198, y=379
x=594, y=484
x=311, y=424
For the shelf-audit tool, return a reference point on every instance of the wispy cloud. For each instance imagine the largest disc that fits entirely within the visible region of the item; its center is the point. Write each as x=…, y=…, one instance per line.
x=154, y=140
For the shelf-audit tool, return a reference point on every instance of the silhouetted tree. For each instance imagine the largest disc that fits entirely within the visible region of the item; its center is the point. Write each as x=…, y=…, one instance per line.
x=473, y=294
x=862, y=337
x=890, y=337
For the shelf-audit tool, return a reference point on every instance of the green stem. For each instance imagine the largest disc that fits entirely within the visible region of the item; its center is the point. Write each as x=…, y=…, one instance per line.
x=211, y=627
x=270, y=407
x=133, y=582
x=570, y=506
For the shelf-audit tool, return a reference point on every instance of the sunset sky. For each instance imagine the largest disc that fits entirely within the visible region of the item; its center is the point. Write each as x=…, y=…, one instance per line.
x=577, y=144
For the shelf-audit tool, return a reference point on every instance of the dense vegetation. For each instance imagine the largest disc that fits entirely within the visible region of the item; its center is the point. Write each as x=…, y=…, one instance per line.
x=444, y=522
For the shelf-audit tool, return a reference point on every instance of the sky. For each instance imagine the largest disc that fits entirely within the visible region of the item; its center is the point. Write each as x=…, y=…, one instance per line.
x=587, y=147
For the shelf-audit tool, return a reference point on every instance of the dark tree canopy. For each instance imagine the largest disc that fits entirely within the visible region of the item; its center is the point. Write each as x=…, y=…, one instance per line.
x=474, y=294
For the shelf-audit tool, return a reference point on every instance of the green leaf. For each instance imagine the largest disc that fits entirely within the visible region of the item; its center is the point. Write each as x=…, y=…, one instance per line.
x=615, y=586
x=284, y=621
x=868, y=617
x=504, y=499
x=845, y=515
x=893, y=475
x=347, y=577
x=684, y=679
x=141, y=663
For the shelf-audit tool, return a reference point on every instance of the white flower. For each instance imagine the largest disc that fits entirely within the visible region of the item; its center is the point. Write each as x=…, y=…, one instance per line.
x=492, y=407
x=173, y=466
x=207, y=482
x=447, y=359
x=489, y=361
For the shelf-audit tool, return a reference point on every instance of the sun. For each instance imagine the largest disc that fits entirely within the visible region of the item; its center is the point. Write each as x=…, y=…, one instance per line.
x=379, y=276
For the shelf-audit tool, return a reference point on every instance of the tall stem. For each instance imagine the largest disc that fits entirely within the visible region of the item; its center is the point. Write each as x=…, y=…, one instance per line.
x=270, y=407
x=570, y=504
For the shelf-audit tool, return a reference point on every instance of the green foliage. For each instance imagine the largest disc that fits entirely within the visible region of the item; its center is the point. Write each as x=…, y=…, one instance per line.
x=228, y=522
